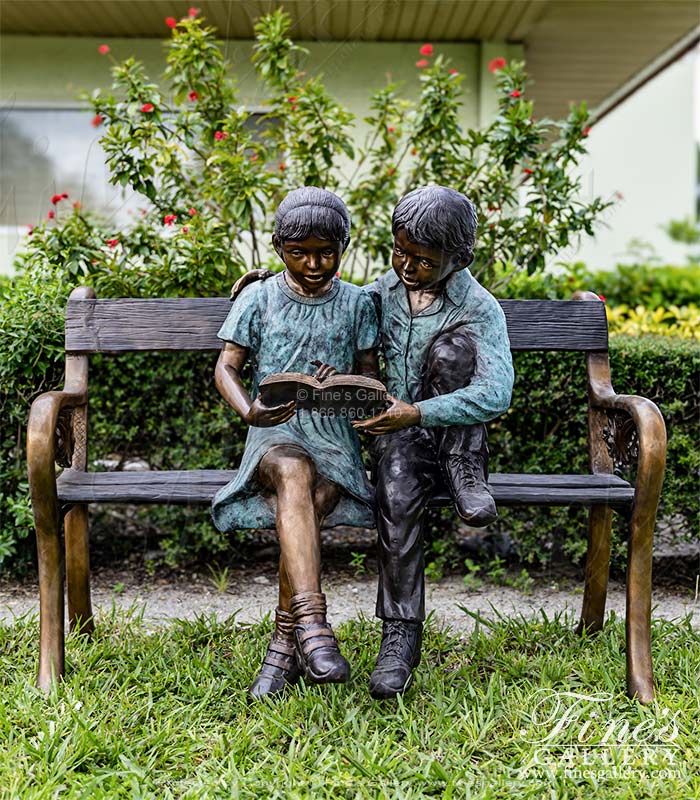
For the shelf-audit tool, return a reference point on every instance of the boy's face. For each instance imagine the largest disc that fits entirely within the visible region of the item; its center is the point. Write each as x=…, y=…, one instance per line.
x=312, y=262
x=420, y=267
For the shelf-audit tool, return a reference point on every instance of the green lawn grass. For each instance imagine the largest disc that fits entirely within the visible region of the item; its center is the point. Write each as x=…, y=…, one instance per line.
x=163, y=713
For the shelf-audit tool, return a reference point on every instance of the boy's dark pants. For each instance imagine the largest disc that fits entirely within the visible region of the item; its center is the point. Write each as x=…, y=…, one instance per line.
x=407, y=472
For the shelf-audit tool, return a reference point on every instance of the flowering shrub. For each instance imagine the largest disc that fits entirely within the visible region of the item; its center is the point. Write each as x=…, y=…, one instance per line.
x=190, y=146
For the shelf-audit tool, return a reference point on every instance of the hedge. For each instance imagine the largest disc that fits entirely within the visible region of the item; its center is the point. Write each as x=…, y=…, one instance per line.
x=545, y=431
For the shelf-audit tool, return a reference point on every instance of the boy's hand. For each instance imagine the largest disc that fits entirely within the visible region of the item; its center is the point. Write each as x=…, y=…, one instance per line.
x=399, y=415
x=324, y=370
x=261, y=416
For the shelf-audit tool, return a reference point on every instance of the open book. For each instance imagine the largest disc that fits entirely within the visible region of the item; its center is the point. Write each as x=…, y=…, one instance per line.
x=352, y=396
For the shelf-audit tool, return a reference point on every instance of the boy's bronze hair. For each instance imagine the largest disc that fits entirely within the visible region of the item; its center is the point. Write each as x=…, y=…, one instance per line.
x=440, y=218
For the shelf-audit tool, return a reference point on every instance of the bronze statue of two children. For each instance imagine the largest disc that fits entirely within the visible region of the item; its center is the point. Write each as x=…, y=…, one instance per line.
x=447, y=369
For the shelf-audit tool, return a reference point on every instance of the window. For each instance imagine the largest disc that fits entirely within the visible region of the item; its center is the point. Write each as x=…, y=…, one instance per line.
x=51, y=150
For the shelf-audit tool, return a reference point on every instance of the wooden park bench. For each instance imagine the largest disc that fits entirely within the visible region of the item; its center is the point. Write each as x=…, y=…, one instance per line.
x=620, y=428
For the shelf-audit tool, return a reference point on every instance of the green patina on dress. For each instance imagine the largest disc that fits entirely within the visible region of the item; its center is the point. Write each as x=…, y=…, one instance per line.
x=283, y=332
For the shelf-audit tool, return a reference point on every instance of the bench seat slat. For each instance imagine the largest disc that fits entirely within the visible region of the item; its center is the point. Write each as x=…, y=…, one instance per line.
x=125, y=325
x=199, y=486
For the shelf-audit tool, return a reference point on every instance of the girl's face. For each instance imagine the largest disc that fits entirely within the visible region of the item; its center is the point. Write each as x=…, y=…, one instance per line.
x=420, y=267
x=312, y=263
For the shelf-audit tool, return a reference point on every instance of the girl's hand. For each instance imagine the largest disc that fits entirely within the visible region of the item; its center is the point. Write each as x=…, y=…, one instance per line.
x=324, y=370
x=399, y=415
x=261, y=416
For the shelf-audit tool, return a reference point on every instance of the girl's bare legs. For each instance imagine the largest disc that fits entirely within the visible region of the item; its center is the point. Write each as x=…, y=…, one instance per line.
x=303, y=500
x=292, y=475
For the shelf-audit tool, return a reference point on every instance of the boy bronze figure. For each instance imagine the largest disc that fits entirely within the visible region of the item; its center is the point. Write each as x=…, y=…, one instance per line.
x=448, y=370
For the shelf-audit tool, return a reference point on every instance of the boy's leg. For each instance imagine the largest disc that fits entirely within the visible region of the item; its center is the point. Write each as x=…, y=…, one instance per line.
x=291, y=473
x=463, y=449
x=406, y=473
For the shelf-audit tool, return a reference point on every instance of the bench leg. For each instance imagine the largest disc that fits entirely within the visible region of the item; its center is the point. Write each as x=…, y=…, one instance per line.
x=597, y=569
x=78, y=569
x=640, y=679
x=51, y=608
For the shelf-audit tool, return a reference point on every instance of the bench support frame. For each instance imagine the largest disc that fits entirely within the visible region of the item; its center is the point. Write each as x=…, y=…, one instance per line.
x=43, y=450
x=48, y=517
x=651, y=464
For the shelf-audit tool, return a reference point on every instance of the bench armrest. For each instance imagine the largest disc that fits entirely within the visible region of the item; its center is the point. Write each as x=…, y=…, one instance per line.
x=47, y=435
x=636, y=425
x=646, y=434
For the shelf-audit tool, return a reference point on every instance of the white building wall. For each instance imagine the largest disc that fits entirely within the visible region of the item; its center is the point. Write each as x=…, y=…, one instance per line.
x=646, y=150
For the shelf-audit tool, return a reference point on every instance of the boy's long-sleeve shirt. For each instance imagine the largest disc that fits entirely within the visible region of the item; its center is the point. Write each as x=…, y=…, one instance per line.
x=405, y=339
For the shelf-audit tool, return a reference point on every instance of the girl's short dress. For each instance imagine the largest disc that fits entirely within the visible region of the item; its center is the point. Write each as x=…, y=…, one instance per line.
x=284, y=332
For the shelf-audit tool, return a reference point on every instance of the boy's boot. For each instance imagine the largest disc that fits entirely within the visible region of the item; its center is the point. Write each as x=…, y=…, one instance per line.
x=398, y=655
x=464, y=458
x=318, y=655
x=279, y=668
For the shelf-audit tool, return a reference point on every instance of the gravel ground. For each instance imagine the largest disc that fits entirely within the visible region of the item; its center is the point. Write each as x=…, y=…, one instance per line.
x=251, y=593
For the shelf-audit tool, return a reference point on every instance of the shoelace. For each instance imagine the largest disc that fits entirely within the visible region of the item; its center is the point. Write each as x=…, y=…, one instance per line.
x=395, y=638
x=467, y=469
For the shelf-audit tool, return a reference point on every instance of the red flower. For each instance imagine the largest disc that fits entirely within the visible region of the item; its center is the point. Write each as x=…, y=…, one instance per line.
x=171, y=22
x=426, y=50
x=192, y=96
x=185, y=229
x=528, y=171
x=337, y=274
x=453, y=71
x=586, y=130
x=168, y=219
x=292, y=99
x=112, y=242
x=283, y=166
x=76, y=205
x=57, y=199
x=51, y=215
x=601, y=297
x=219, y=135
x=572, y=279
x=192, y=12
x=390, y=128
x=64, y=196
x=515, y=93
x=146, y=108
x=391, y=170
x=103, y=49
x=192, y=212
x=422, y=63
x=97, y=120
x=414, y=152
x=254, y=157
x=93, y=261
x=491, y=225
x=30, y=228
x=496, y=64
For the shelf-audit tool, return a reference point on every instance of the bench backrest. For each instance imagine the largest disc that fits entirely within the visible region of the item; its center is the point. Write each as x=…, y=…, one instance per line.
x=117, y=326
